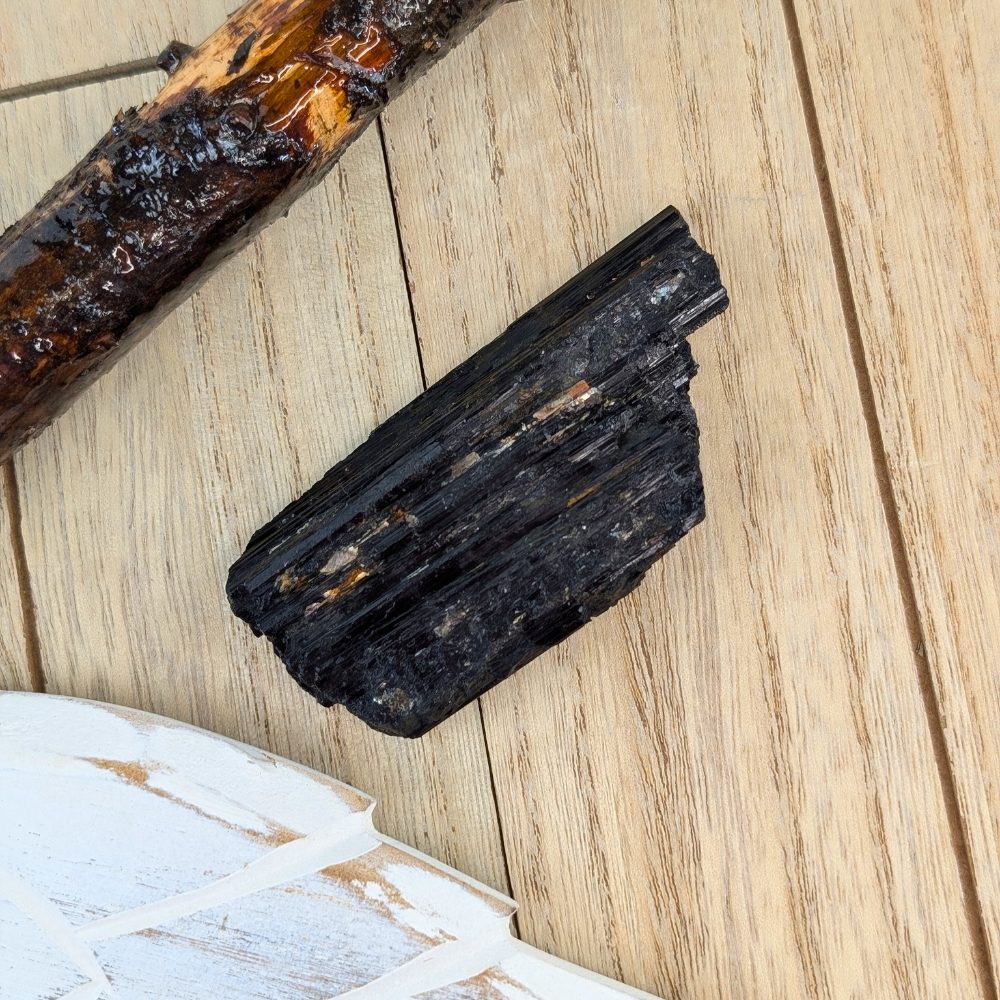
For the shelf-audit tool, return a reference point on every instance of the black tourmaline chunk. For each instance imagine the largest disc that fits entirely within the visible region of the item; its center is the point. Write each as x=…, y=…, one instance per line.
x=523, y=494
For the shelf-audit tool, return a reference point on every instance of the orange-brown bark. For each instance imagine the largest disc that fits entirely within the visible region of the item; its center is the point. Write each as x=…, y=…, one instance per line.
x=246, y=123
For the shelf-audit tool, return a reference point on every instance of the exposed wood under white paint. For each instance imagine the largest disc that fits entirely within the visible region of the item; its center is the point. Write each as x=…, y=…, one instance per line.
x=142, y=858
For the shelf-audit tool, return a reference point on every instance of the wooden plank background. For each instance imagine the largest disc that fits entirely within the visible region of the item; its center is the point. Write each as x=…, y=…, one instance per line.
x=916, y=186
x=774, y=770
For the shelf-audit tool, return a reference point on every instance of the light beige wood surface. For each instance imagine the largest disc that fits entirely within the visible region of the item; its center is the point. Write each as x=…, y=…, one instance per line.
x=53, y=39
x=915, y=180
x=728, y=787
x=14, y=673
x=732, y=776
x=136, y=503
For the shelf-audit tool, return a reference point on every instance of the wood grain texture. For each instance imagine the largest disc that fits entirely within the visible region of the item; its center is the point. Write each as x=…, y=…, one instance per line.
x=142, y=859
x=52, y=39
x=14, y=672
x=135, y=504
x=753, y=806
x=728, y=788
x=907, y=98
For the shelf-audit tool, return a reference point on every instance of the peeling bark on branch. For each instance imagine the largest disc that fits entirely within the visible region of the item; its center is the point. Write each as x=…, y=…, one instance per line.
x=523, y=494
x=246, y=123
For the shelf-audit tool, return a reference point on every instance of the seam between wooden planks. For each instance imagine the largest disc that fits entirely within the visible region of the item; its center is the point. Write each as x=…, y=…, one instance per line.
x=904, y=574
x=515, y=926
x=104, y=75
x=423, y=378
x=402, y=251
x=29, y=617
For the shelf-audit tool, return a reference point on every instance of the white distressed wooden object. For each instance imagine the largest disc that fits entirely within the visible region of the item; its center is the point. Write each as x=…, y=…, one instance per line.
x=143, y=858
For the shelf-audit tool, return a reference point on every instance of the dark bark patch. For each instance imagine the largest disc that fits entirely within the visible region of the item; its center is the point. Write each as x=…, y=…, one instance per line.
x=242, y=53
x=170, y=59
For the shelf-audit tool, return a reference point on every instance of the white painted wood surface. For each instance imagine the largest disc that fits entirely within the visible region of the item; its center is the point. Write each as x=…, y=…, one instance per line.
x=143, y=858
x=728, y=787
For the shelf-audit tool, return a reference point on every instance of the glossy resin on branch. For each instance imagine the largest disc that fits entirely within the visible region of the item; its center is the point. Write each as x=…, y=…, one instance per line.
x=245, y=124
x=525, y=493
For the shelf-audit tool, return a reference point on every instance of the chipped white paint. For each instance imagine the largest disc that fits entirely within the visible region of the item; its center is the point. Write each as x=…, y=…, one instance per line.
x=445, y=965
x=52, y=922
x=350, y=838
x=141, y=858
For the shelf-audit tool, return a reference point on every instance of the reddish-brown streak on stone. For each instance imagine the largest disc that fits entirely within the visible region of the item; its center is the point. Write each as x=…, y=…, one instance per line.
x=177, y=186
x=524, y=493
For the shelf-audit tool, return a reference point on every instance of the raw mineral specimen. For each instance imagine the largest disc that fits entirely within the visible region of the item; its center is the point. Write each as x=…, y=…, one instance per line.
x=523, y=494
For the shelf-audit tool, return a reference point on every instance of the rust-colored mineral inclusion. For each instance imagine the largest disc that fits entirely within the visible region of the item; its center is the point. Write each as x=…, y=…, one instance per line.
x=522, y=495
